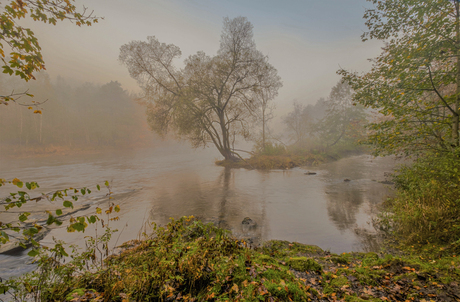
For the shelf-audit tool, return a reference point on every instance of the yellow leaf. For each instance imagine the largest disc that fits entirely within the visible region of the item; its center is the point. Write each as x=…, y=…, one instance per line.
x=30, y=108
x=38, y=111
x=117, y=208
x=98, y=210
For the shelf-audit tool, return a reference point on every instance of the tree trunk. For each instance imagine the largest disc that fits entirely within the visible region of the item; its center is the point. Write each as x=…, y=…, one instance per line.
x=41, y=127
x=263, y=129
x=226, y=150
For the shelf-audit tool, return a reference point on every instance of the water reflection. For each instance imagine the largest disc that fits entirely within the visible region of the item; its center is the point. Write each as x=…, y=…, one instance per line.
x=342, y=207
x=353, y=197
x=157, y=184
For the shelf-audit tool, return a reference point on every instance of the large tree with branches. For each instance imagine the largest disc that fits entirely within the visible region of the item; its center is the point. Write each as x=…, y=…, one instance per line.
x=415, y=82
x=213, y=98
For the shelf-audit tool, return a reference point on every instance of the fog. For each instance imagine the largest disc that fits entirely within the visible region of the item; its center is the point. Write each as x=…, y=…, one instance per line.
x=307, y=41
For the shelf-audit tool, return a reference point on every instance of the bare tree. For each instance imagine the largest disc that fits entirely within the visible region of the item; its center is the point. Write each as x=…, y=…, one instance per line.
x=265, y=113
x=211, y=98
x=298, y=124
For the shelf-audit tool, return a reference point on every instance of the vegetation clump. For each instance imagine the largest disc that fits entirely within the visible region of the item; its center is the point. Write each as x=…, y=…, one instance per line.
x=188, y=260
x=304, y=264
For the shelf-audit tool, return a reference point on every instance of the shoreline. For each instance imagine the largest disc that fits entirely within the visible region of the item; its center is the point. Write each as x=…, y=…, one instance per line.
x=285, y=161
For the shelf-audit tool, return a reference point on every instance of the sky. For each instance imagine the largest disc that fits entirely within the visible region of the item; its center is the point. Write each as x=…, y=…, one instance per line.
x=307, y=41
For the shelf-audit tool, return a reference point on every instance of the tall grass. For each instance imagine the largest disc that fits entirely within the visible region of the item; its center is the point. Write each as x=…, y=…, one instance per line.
x=427, y=205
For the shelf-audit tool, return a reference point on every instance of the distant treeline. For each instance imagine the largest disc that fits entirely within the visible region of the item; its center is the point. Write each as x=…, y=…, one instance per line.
x=88, y=115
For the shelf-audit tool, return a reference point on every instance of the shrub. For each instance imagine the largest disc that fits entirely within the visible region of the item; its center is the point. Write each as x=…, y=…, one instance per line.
x=427, y=204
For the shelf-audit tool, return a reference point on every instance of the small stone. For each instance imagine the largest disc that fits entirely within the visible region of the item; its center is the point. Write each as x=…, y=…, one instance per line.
x=248, y=221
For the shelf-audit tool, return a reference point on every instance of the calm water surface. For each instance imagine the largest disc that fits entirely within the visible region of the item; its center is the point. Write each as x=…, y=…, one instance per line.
x=159, y=183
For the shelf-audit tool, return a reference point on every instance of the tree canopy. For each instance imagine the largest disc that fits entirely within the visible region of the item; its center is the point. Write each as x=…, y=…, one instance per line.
x=415, y=82
x=212, y=99
x=20, y=51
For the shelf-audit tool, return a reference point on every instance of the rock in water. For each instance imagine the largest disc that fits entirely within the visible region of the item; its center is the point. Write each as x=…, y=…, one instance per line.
x=310, y=173
x=248, y=221
x=248, y=225
x=346, y=179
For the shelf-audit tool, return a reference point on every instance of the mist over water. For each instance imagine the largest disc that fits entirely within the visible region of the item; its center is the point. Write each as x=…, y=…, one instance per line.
x=154, y=184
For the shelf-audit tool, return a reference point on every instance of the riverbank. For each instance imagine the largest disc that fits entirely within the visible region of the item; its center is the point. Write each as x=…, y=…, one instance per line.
x=284, y=159
x=190, y=261
x=25, y=152
x=271, y=162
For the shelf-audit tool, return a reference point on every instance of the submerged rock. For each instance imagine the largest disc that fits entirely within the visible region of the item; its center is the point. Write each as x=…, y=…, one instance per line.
x=248, y=225
x=346, y=180
x=310, y=173
x=248, y=221
x=387, y=182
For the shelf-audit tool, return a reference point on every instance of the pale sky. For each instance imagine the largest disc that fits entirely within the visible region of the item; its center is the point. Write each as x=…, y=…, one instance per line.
x=306, y=40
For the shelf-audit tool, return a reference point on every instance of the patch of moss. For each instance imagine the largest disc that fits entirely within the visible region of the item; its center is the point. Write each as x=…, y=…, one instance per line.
x=281, y=249
x=339, y=260
x=304, y=264
x=335, y=284
x=357, y=299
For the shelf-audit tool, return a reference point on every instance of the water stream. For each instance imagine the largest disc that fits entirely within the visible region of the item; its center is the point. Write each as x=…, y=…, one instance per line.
x=172, y=181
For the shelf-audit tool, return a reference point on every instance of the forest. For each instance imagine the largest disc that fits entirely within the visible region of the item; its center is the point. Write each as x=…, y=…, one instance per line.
x=73, y=118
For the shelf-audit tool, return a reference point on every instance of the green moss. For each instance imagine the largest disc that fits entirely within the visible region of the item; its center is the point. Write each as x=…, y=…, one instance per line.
x=340, y=260
x=335, y=284
x=281, y=249
x=304, y=264
x=356, y=299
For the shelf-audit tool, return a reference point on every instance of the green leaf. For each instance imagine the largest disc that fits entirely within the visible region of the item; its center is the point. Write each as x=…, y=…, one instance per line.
x=50, y=220
x=5, y=235
x=58, y=212
x=33, y=253
x=107, y=183
x=91, y=219
x=3, y=288
x=98, y=187
x=23, y=217
x=68, y=204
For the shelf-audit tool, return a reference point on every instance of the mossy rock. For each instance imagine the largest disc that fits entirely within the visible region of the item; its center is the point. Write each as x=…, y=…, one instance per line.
x=304, y=264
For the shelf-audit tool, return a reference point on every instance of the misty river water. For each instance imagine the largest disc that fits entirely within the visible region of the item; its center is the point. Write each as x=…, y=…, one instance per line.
x=171, y=181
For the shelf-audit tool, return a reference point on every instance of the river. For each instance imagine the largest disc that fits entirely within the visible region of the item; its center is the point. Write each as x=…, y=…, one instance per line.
x=152, y=185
